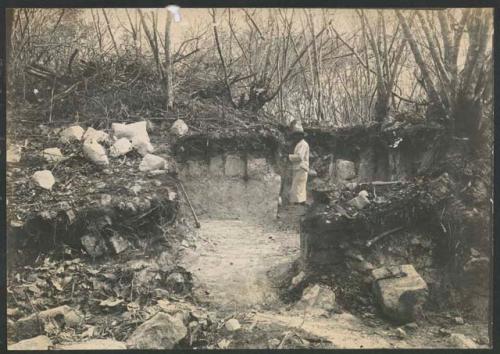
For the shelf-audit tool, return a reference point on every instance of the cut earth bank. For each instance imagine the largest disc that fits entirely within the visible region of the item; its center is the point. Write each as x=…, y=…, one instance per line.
x=240, y=176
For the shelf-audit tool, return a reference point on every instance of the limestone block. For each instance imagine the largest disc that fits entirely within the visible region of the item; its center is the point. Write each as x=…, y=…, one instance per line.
x=34, y=324
x=179, y=128
x=36, y=343
x=43, y=179
x=316, y=297
x=74, y=133
x=52, y=155
x=345, y=170
x=121, y=147
x=142, y=144
x=400, y=291
x=14, y=153
x=162, y=331
x=216, y=166
x=152, y=162
x=257, y=167
x=95, y=152
x=129, y=130
x=234, y=167
x=98, y=135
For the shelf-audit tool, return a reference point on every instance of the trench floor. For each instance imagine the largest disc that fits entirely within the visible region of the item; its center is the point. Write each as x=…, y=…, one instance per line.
x=232, y=259
x=231, y=262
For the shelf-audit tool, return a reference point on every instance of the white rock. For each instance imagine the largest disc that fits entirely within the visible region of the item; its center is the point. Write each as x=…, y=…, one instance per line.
x=316, y=297
x=95, y=152
x=152, y=162
x=36, y=343
x=43, y=179
x=359, y=202
x=232, y=325
x=14, y=154
x=98, y=135
x=363, y=193
x=142, y=144
x=179, y=128
x=121, y=147
x=74, y=133
x=129, y=130
x=52, y=155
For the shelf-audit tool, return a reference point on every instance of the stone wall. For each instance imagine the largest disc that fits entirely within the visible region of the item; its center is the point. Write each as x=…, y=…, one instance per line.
x=231, y=186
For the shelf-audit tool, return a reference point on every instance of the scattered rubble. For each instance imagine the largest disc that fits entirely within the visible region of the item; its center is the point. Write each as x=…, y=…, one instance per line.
x=400, y=292
x=179, y=128
x=162, y=331
x=71, y=134
x=43, y=179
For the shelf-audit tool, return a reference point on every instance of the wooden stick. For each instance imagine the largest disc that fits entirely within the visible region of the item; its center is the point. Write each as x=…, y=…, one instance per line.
x=197, y=222
x=382, y=235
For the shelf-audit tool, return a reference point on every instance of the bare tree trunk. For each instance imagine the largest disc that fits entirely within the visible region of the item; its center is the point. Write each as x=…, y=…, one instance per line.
x=168, y=63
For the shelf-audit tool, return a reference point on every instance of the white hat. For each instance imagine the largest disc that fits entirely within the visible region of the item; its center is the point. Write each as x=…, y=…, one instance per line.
x=297, y=127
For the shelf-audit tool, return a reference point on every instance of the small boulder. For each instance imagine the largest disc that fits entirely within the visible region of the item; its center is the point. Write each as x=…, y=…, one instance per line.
x=14, y=153
x=36, y=343
x=52, y=155
x=95, y=152
x=359, y=202
x=400, y=292
x=93, y=246
x=345, y=169
x=121, y=147
x=43, y=179
x=74, y=133
x=316, y=297
x=36, y=323
x=175, y=282
x=179, y=128
x=232, y=325
x=94, y=344
x=459, y=340
x=118, y=243
x=162, y=331
x=129, y=130
x=152, y=162
x=97, y=135
x=142, y=144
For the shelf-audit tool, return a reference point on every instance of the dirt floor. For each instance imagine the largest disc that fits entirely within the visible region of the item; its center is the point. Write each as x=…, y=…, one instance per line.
x=232, y=262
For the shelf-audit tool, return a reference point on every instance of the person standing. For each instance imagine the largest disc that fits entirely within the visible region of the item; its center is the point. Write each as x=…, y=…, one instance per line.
x=300, y=165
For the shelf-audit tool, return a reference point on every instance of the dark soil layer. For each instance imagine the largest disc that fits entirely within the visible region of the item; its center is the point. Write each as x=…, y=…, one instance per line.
x=258, y=140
